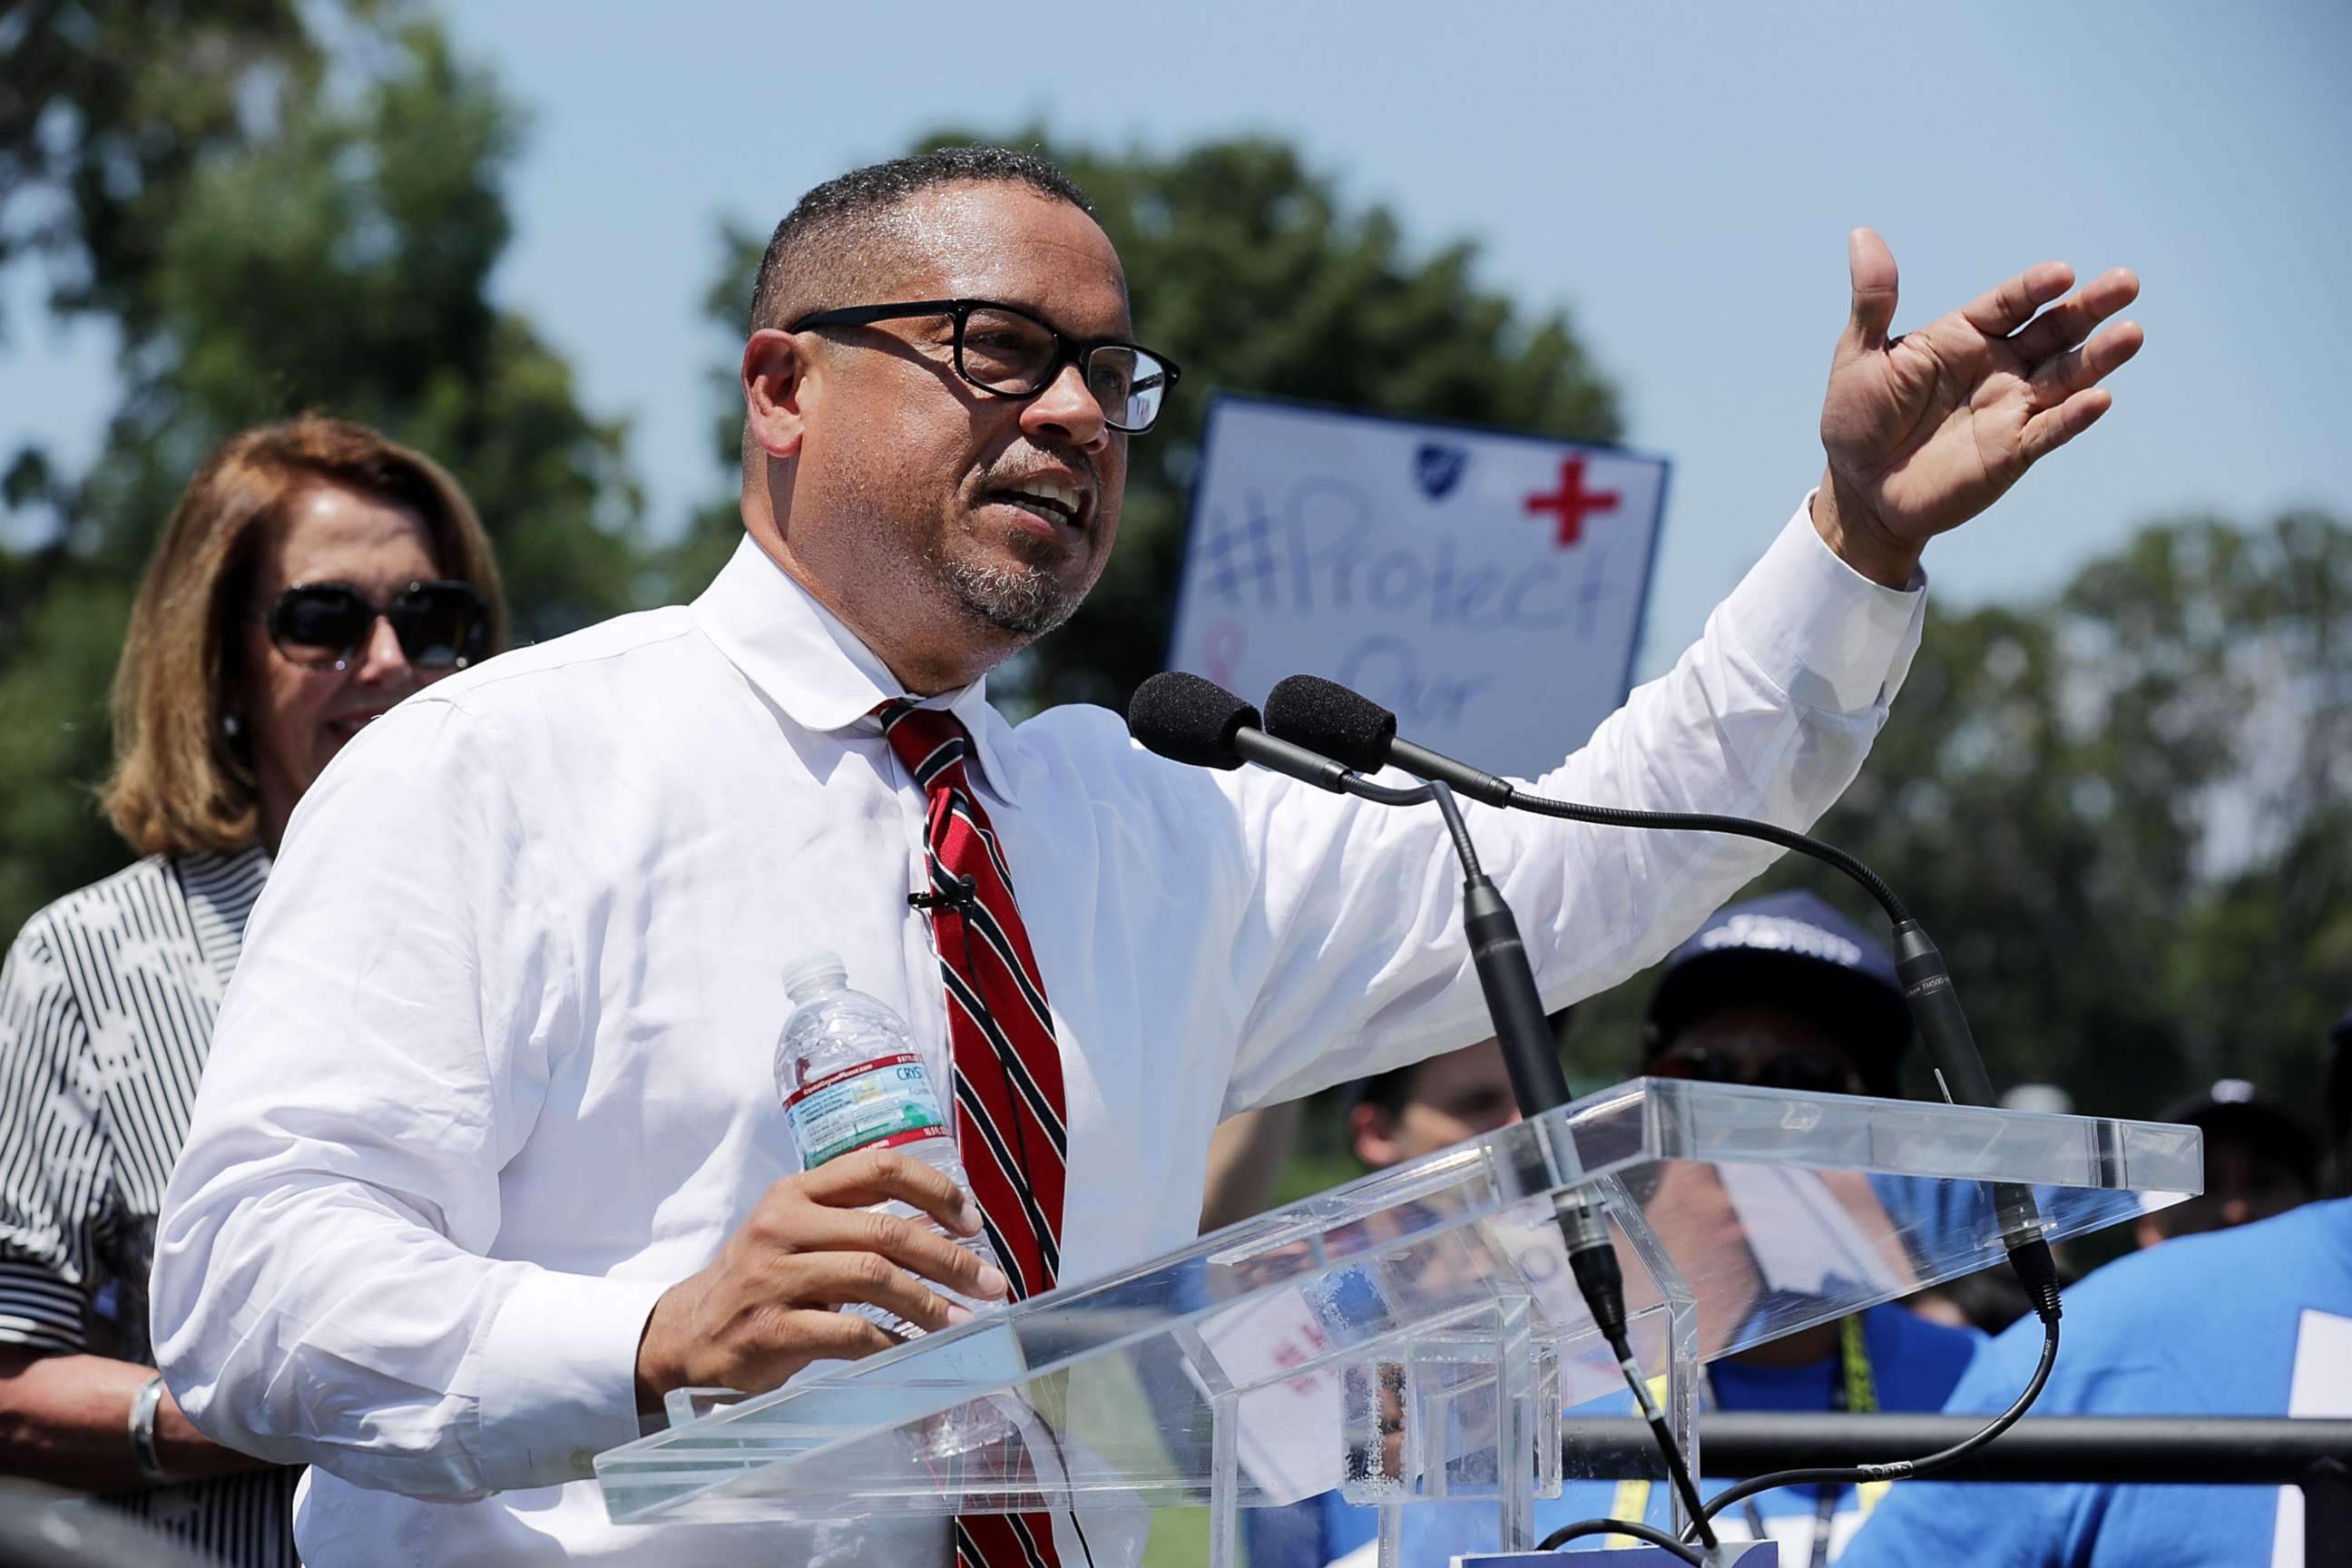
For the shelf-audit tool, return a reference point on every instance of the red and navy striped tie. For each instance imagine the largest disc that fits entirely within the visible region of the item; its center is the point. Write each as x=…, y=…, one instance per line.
x=1011, y=1116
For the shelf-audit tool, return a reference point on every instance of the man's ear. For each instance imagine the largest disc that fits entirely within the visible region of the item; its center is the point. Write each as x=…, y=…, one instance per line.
x=774, y=372
x=1372, y=1132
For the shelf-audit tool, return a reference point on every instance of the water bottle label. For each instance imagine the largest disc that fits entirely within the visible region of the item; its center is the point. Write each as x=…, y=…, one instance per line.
x=885, y=1103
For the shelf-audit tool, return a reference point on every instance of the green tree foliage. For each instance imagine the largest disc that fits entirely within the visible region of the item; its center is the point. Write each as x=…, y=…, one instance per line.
x=1252, y=272
x=2125, y=814
x=330, y=249
x=108, y=111
x=346, y=265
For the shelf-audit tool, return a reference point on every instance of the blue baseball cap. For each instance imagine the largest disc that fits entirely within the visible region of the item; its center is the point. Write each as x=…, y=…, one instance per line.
x=1790, y=950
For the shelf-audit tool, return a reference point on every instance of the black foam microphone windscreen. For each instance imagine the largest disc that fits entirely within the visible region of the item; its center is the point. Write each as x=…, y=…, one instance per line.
x=1323, y=716
x=1188, y=719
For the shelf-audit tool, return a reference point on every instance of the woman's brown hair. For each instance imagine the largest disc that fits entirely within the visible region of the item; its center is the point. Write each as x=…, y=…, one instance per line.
x=180, y=783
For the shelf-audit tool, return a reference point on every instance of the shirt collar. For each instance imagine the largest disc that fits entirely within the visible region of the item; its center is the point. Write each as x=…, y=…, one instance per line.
x=805, y=660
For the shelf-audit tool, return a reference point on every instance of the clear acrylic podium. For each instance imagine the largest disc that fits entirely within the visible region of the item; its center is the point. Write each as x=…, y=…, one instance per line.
x=1412, y=1337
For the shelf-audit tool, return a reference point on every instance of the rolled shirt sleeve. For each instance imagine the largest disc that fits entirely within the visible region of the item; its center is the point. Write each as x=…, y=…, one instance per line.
x=325, y=1288
x=1355, y=953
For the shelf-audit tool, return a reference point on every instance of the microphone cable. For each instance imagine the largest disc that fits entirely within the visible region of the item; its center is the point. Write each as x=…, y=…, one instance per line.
x=1329, y=719
x=1927, y=986
x=2029, y=1252
x=1899, y=1469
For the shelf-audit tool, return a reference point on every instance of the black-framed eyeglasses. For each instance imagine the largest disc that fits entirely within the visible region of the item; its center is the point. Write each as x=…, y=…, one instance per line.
x=1005, y=351
x=441, y=625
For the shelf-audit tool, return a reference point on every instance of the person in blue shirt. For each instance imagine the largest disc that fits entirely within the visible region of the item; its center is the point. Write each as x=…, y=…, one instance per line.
x=2256, y=1320
x=1780, y=991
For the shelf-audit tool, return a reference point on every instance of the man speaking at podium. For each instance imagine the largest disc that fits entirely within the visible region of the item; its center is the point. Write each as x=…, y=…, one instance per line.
x=487, y=1157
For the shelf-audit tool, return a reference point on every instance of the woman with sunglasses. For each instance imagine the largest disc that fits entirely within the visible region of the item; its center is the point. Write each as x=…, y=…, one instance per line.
x=313, y=574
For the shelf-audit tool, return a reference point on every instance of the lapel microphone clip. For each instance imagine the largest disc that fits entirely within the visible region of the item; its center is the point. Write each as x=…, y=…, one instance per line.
x=965, y=893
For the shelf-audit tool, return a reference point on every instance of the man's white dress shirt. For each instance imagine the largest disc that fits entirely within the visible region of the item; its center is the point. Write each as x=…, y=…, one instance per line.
x=497, y=1067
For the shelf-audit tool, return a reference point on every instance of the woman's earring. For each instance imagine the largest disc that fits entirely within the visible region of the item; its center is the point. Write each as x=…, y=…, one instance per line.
x=232, y=726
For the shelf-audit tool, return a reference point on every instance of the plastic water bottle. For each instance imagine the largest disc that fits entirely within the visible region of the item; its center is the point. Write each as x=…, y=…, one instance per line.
x=851, y=1079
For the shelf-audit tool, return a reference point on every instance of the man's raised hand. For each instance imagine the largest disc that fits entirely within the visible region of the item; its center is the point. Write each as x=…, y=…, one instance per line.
x=767, y=1306
x=1926, y=430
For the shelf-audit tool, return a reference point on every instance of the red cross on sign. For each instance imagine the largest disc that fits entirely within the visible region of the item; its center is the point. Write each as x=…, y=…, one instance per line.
x=1572, y=501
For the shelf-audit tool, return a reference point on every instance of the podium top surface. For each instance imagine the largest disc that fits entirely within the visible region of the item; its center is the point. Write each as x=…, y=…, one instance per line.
x=1268, y=1352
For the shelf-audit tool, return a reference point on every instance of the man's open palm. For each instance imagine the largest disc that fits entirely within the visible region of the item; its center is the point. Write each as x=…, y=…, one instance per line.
x=1926, y=430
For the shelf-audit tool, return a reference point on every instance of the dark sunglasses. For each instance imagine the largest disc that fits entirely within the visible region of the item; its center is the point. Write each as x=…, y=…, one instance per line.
x=440, y=625
x=1811, y=1072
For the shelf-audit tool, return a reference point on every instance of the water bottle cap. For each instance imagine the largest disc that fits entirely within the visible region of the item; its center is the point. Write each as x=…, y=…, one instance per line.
x=816, y=973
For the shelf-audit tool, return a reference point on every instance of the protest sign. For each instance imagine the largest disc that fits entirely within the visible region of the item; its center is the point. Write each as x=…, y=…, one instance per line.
x=1487, y=586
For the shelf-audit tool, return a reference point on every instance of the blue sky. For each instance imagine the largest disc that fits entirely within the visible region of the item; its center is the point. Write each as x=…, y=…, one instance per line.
x=1679, y=177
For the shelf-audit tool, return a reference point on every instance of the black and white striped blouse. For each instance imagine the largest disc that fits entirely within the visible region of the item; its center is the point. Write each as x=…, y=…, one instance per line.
x=107, y=1002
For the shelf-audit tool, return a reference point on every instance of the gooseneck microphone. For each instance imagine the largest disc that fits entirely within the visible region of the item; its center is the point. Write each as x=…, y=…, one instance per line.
x=1189, y=719
x=1323, y=716
x=1312, y=720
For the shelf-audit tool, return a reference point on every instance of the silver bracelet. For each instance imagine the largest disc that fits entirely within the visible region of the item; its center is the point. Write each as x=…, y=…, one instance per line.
x=143, y=1432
